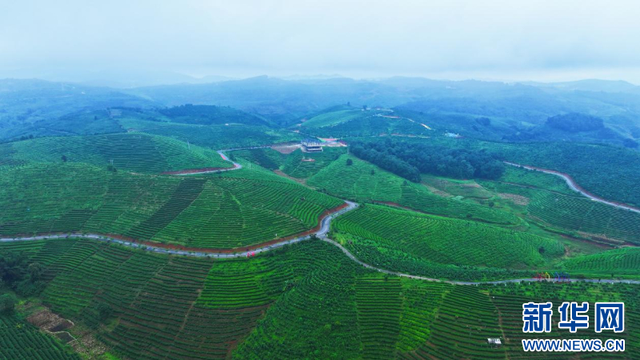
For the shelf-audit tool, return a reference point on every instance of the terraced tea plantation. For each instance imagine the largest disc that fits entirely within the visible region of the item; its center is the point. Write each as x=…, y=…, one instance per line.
x=130, y=152
x=566, y=210
x=410, y=272
x=535, y=179
x=431, y=239
x=177, y=307
x=266, y=158
x=213, y=136
x=624, y=261
x=332, y=118
x=343, y=121
x=304, y=165
x=214, y=211
x=363, y=181
x=296, y=164
x=21, y=340
x=232, y=212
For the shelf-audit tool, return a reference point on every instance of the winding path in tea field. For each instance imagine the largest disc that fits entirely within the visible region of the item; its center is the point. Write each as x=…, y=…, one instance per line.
x=575, y=187
x=323, y=229
x=321, y=233
x=453, y=282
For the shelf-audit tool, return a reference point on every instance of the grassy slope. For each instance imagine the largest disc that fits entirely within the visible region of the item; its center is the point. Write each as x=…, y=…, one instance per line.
x=291, y=164
x=616, y=177
x=267, y=158
x=305, y=300
x=535, y=179
x=213, y=136
x=214, y=211
x=432, y=239
x=296, y=167
x=371, y=125
x=624, y=261
x=548, y=200
x=357, y=182
x=131, y=152
x=332, y=118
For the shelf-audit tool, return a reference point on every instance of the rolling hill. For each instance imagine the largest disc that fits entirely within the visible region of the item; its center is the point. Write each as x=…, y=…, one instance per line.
x=206, y=212
x=138, y=304
x=135, y=152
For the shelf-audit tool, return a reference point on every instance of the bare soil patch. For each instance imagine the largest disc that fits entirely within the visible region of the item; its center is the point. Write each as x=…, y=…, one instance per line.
x=301, y=181
x=437, y=191
x=47, y=320
x=517, y=199
x=286, y=149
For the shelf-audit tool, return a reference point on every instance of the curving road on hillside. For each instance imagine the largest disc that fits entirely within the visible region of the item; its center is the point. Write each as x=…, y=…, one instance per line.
x=575, y=187
x=321, y=233
x=325, y=226
x=453, y=282
x=236, y=166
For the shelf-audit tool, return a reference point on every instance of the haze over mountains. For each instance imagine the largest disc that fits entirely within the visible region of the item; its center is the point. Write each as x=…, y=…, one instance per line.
x=514, y=107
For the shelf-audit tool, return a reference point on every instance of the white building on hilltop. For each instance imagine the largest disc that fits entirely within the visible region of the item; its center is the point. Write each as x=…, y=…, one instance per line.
x=311, y=145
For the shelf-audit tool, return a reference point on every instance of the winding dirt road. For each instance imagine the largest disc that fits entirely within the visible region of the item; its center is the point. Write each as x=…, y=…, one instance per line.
x=575, y=187
x=321, y=233
x=453, y=282
x=325, y=225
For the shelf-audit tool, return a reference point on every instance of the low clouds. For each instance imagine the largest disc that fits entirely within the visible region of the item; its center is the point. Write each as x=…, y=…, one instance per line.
x=357, y=38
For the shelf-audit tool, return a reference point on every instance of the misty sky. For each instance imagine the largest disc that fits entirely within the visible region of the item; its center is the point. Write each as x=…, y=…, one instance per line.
x=504, y=40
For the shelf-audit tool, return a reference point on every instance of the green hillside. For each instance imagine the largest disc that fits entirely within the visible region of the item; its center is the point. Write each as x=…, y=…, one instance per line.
x=212, y=136
x=579, y=160
x=362, y=181
x=607, y=171
x=332, y=118
x=215, y=211
x=210, y=115
x=304, y=165
x=355, y=122
x=143, y=305
x=547, y=200
x=535, y=179
x=382, y=234
x=266, y=158
x=617, y=262
x=296, y=164
x=130, y=152
x=445, y=244
x=21, y=340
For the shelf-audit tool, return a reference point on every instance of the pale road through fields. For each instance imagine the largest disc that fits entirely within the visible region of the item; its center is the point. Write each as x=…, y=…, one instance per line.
x=321, y=233
x=575, y=187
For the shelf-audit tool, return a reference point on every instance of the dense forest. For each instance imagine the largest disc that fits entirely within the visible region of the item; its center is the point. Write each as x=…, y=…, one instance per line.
x=386, y=160
x=575, y=122
x=410, y=159
x=210, y=115
x=19, y=275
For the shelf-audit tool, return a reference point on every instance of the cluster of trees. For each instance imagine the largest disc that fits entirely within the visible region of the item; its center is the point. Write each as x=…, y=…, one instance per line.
x=575, y=122
x=607, y=171
x=7, y=303
x=17, y=274
x=386, y=160
x=410, y=159
x=210, y=115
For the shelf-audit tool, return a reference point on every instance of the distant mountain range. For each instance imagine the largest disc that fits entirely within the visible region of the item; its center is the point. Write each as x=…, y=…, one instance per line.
x=516, y=107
